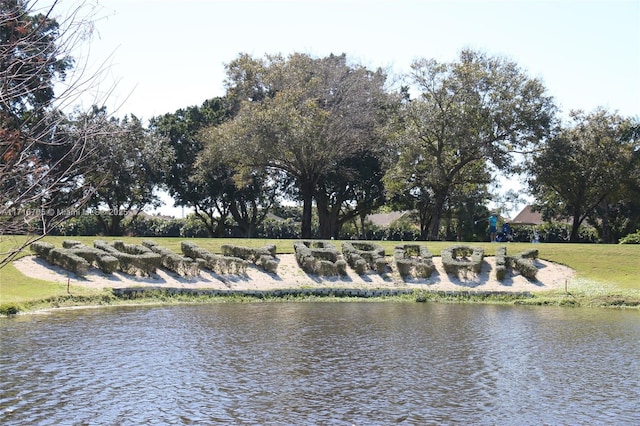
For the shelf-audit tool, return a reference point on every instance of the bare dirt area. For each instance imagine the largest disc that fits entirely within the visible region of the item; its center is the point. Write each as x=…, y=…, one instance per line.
x=289, y=275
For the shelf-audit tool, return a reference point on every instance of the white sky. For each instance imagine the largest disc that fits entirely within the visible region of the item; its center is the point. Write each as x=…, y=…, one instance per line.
x=170, y=54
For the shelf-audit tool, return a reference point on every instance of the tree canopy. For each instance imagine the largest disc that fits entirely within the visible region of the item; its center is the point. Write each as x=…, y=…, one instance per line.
x=304, y=116
x=582, y=165
x=476, y=111
x=43, y=156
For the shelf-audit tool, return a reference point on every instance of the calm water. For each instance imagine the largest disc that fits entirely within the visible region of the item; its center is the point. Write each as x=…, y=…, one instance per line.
x=333, y=363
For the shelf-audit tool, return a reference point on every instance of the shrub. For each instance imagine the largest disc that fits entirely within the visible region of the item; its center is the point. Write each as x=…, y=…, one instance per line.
x=523, y=263
x=70, y=243
x=319, y=257
x=133, y=259
x=364, y=256
x=71, y=248
x=263, y=257
x=103, y=260
x=71, y=262
x=462, y=259
x=9, y=309
x=631, y=238
x=213, y=262
x=413, y=260
x=41, y=249
x=502, y=262
x=181, y=265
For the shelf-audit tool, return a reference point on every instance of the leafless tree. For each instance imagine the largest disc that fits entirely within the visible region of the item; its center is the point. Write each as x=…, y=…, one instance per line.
x=45, y=154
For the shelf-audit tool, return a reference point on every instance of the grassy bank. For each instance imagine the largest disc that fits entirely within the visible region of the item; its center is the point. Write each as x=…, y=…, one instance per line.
x=607, y=275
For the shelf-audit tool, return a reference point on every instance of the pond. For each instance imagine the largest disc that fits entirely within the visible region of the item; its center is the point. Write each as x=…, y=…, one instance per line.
x=321, y=363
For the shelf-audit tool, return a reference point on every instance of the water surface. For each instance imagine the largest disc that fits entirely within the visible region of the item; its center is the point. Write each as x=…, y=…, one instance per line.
x=321, y=363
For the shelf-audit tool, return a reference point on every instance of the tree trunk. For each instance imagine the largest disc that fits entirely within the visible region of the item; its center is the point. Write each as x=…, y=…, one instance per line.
x=306, y=191
x=574, y=237
x=607, y=236
x=439, y=199
x=328, y=218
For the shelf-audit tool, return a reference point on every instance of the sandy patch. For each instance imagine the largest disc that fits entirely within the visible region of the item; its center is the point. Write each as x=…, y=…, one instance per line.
x=289, y=275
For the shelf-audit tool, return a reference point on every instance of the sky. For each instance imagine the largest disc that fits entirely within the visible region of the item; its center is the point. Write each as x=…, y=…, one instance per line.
x=163, y=55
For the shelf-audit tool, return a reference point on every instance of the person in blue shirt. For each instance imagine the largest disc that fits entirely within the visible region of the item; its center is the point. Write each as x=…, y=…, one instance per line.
x=493, y=226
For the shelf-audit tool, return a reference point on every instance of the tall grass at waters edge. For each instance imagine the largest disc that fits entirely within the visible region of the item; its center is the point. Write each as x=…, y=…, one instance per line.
x=607, y=275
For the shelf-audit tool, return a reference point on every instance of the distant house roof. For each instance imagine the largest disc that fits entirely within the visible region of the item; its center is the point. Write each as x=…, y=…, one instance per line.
x=385, y=219
x=528, y=217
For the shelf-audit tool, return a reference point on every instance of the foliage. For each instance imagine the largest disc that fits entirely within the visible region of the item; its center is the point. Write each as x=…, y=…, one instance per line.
x=581, y=166
x=214, y=262
x=470, y=112
x=413, y=260
x=181, y=265
x=264, y=257
x=364, y=256
x=319, y=258
x=131, y=161
x=631, y=238
x=133, y=259
x=182, y=130
x=304, y=116
x=246, y=193
x=42, y=156
x=461, y=259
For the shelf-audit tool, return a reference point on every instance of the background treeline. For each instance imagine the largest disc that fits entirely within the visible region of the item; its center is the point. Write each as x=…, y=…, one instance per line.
x=289, y=228
x=326, y=135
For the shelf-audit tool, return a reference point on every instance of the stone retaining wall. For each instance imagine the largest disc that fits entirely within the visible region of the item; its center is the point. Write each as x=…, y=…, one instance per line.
x=133, y=293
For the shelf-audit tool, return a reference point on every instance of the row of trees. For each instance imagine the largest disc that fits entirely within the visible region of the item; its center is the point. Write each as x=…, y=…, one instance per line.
x=326, y=132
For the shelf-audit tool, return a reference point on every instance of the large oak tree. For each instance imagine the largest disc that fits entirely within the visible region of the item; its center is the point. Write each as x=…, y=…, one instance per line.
x=304, y=116
x=585, y=162
x=468, y=114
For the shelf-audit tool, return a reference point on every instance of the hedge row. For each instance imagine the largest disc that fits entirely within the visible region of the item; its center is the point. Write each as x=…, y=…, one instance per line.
x=181, y=265
x=523, y=263
x=364, y=256
x=413, y=260
x=264, y=257
x=75, y=257
x=502, y=263
x=133, y=259
x=216, y=263
x=462, y=259
x=319, y=258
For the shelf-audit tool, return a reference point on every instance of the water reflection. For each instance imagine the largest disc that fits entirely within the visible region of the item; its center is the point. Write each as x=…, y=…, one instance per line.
x=328, y=363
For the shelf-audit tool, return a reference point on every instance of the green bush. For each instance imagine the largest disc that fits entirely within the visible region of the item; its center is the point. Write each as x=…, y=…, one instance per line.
x=319, y=257
x=263, y=257
x=631, y=238
x=413, y=260
x=502, y=263
x=181, y=265
x=103, y=260
x=133, y=259
x=68, y=260
x=462, y=259
x=70, y=243
x=363, y=256
x=9, y=309
x=523, y=263
x=41, y=249
x=72, y=249
x=216, y=263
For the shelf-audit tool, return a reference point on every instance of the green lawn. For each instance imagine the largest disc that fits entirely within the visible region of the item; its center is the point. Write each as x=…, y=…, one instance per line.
x=614, y=267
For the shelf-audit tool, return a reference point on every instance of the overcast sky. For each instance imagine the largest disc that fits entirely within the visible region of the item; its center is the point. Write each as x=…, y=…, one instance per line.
x=170, y=54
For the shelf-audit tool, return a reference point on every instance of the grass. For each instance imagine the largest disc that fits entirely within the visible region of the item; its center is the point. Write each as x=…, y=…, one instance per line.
x=607, y=275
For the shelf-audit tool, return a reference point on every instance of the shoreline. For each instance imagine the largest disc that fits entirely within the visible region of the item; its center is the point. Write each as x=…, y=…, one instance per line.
x=290, y=283
x=289, y=275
